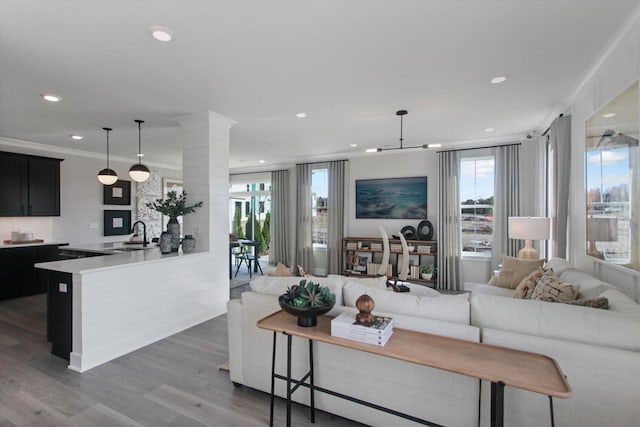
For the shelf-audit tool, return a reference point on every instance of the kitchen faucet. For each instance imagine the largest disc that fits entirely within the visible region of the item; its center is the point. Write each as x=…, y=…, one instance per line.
x=144, y=232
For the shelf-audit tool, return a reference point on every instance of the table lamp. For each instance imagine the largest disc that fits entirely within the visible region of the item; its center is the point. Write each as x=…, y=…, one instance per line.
x=529, y=228
x=600, y=229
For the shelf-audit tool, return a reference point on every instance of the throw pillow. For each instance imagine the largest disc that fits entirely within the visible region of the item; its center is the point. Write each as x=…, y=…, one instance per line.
x=551, y=288
x=528, y=284
x=601, y=302
x=515, y=269
x=280, y=271
x=302, y=272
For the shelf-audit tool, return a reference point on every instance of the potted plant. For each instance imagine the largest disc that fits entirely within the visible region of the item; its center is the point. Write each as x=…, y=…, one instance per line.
x=307, y=301
x=174, y=206
x=426, y=271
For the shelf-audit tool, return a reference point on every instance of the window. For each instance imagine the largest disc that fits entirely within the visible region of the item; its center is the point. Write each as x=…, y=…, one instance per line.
x=476, y=205
x=319, y=206
x=249, y=211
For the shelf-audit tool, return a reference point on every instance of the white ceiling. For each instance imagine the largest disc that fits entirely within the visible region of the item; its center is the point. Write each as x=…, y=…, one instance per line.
x=349, y=64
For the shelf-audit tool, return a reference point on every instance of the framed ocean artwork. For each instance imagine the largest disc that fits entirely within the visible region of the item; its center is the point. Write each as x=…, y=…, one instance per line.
x=391, y=198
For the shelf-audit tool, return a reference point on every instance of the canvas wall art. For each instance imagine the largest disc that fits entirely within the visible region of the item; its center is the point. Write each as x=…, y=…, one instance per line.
x=392, y=198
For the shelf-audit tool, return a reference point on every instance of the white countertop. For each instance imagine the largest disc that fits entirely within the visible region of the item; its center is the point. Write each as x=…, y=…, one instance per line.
x=96, y=263
x=24, y=245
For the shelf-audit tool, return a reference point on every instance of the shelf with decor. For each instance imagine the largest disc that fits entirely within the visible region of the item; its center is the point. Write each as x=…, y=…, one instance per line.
x=362, y=256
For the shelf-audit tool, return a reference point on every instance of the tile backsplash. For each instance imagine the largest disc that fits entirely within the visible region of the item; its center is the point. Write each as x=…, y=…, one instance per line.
x=42, y=228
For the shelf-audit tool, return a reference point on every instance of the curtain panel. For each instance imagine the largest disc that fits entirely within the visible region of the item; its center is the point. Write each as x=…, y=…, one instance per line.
x=279, y=246
x=507, y=201
x=335, y=229
x=304, y=243
x=448, y=230
x=560, y=168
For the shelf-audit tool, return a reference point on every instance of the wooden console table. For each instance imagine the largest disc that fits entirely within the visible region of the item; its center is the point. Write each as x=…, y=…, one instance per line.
x=499, y=365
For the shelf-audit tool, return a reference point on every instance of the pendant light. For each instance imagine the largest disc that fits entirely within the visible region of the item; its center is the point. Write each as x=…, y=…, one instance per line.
x=107, y=176
x=139, y=172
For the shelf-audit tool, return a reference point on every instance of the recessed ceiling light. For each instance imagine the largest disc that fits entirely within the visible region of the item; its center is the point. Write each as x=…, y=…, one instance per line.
x=51, y=97
x=434, y=145
x=76, y=137
x=301, y=115
x=161, y=34
x=261, y=161
x=489, y=129
x=498, y=79
x=353, y=145
x=606, y=116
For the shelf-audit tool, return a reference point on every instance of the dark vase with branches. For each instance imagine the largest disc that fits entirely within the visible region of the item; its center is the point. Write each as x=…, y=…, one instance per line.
x=174, y=206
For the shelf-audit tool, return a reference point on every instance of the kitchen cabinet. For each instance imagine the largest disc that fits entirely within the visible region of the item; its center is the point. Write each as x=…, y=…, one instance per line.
x=59, y=311
x=31, y=185
x=18, y=277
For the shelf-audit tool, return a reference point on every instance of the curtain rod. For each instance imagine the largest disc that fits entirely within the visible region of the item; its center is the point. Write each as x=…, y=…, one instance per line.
x=326, y=161
x=549, y=128
x=479, y=148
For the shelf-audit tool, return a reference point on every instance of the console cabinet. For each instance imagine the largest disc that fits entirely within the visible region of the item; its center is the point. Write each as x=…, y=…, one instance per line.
x=31, y=185
x=368, y=252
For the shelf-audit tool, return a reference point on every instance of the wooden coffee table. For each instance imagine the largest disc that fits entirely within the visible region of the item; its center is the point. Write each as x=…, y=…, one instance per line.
x=499, y=365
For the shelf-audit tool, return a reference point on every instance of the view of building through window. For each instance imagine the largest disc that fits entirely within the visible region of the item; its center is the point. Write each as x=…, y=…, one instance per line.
x=319, y=206
x=250, y=212
x=476, y=204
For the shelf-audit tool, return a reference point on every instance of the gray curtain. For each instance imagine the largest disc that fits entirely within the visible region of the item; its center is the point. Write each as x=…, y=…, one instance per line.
x=448, y=234
x=335, y=227
x=533, y=154
x=506, y=201
x=304, y=243
x=279, y=246
x=560, y=168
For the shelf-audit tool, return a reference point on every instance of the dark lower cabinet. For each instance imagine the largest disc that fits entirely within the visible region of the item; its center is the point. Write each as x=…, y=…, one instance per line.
x=59, y=311
x=18, y=277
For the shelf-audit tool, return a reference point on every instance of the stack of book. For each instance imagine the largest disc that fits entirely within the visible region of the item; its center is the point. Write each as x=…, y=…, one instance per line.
x=352, y=245
x=423, y=249
x=376, y=246
x=345, y=326
x=395, y=247
x=372, y=269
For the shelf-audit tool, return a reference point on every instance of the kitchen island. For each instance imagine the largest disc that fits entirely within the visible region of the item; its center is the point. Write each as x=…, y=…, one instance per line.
x=102, y=307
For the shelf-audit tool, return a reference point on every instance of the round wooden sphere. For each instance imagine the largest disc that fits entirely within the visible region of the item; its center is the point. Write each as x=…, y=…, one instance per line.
x=365, y=304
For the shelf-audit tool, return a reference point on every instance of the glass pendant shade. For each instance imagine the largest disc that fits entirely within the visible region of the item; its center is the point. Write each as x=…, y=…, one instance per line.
x=139, y=172
x=107, y=176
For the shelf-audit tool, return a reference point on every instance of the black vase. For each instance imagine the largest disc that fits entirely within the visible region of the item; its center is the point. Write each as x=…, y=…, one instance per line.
x=173, y=227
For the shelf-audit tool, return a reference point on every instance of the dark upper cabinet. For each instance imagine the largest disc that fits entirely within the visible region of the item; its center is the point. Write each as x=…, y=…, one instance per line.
x=31, y=185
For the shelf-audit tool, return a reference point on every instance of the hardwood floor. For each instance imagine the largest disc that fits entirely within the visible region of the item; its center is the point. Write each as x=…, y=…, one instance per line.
x=173, y=382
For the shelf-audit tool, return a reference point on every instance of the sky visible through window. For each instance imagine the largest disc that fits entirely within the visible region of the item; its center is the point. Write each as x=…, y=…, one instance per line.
x=476, y=182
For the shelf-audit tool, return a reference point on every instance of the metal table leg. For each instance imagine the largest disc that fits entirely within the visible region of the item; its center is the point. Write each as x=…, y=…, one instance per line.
x=289, y=338
x=497, y=404
x=273, y=379
x=312, y=389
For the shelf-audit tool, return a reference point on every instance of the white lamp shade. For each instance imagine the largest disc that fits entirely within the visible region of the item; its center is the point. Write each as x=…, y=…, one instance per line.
x=529, y=228
x=602, y=229
x=107, y=176
x=139, y=173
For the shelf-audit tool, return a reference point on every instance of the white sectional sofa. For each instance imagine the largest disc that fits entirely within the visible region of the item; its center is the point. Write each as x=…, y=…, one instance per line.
x=598, y=350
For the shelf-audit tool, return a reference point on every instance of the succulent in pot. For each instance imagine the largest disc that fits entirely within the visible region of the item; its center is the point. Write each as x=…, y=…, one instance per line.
x=307, y=300
x=426, y=271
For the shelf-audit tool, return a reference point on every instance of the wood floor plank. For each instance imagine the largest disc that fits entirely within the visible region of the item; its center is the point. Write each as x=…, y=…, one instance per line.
x=24, y=410
x=100, y=415
x=199, y=409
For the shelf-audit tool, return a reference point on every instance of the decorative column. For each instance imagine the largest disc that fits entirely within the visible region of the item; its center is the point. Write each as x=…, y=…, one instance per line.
x=205, y=176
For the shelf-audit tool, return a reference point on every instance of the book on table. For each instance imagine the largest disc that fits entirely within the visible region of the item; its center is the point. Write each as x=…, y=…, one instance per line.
x=345, y=326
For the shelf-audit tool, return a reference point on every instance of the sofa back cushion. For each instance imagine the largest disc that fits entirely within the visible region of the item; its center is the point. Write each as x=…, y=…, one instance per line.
x=610, y=328
x=515, y=269
x=270, y=285
x=451, y=308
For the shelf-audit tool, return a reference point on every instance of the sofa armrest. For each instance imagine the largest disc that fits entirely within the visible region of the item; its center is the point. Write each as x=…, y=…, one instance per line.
x=234, y=330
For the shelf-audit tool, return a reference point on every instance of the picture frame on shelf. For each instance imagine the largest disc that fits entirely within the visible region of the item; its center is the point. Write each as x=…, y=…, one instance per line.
x=116, y=222
x=117, y=194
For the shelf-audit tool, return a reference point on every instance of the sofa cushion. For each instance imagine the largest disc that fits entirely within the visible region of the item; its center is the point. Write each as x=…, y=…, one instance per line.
x=589, y=286
x=559, y=321
x=551, y=288
x=558, y=265
x=515, y=269
x=375, y=282
x=600, y=302
x=491, y=290
x=528, y=284
x=280, y=271
x=278, y=285
x=452, y=308
x=620, y=303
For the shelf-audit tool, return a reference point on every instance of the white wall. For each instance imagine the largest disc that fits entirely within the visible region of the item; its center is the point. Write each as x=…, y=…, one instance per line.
x=618, y=70
x=394, y=165
x=80, y=198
